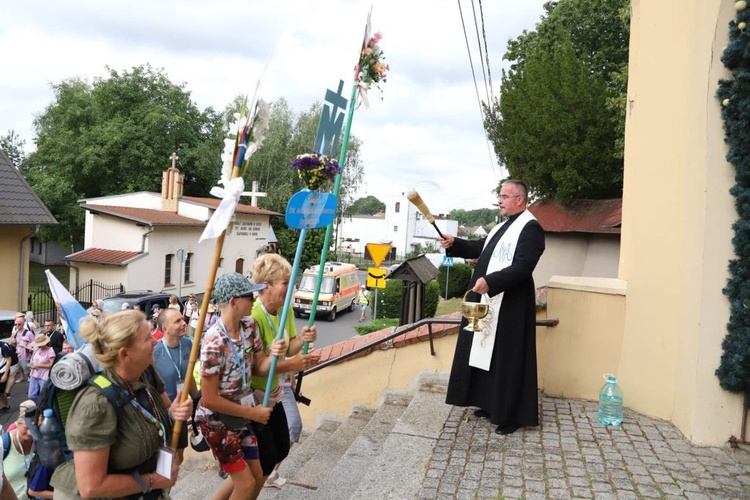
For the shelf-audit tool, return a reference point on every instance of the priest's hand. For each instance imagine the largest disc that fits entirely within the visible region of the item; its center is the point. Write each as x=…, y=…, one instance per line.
x=446, y=241
x=481, y=286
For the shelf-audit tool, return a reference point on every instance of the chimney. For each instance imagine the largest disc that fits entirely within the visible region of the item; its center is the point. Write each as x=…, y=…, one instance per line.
x=171, y=189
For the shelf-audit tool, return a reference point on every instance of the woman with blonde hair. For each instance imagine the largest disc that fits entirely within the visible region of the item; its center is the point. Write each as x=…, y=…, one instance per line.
x=116, y=452
x=275, y=271
x=174, y=303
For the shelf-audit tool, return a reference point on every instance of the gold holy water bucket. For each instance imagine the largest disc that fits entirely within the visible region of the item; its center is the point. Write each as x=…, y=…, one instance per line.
x=474, y=311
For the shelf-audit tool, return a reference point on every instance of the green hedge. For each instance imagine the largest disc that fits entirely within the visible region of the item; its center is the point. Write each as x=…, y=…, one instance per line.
x=389, y=299
x=459, y=277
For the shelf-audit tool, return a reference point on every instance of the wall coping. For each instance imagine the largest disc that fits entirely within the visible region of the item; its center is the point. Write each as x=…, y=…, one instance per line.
x=609, y=286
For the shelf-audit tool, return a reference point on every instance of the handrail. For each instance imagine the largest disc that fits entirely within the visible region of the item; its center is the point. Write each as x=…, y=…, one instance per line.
x=395, y=333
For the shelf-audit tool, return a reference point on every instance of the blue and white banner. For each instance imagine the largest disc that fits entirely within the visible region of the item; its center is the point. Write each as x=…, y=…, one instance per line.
x=71, y=311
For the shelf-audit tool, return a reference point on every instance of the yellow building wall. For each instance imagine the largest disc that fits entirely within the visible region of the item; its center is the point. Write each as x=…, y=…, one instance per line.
x=335, y=389
x=15, y=267
x=677, y=216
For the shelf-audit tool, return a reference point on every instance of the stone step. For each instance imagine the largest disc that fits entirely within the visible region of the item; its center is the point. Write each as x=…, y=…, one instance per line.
x=398, y=471
x=345, y=476
x=308, y=478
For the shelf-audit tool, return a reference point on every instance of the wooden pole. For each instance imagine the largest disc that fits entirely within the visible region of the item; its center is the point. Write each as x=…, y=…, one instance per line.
x=195, y=351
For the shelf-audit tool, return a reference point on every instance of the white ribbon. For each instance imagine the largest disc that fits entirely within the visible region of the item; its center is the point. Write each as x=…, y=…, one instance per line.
x=230, y=197
x=363, y=88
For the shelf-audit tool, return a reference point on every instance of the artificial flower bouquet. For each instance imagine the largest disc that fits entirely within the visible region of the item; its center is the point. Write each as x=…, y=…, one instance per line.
x=315, y=169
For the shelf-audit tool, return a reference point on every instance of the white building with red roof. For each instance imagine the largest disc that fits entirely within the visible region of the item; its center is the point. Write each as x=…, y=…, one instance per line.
x=149, y=241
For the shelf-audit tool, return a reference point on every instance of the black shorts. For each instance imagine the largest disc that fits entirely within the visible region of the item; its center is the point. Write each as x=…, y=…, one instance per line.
x=273, y=439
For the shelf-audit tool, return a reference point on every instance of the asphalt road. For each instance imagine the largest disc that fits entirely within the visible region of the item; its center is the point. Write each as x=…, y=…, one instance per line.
x=334, y=332
x=19, y=394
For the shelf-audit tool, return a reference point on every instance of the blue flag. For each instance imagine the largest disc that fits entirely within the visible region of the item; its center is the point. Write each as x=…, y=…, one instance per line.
x=72, y=311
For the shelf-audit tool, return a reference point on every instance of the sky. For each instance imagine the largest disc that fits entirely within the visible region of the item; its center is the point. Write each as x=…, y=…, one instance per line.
x=425, y=133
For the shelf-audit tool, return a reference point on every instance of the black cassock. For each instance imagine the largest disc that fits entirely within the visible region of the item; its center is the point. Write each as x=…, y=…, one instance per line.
x=508, y=391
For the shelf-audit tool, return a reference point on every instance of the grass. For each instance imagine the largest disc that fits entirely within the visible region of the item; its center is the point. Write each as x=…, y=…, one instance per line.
x=448, y=306
x=37, y=278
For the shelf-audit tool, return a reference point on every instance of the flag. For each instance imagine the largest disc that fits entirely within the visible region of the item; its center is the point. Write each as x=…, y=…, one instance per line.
x=71, y=311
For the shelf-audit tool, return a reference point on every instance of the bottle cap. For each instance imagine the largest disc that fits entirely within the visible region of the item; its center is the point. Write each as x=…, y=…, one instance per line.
x=48, y=412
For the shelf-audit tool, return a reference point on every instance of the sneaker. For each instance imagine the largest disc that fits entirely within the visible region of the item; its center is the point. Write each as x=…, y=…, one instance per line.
x=275, y=480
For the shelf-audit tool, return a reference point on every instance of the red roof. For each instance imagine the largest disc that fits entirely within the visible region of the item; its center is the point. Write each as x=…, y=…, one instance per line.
x=243, y=209
x=103, y=256
x=145, y=215
x=582, y=216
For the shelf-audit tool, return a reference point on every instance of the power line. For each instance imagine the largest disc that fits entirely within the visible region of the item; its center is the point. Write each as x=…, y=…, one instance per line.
x=486, y=52
x=476, y=89
x=479, y=44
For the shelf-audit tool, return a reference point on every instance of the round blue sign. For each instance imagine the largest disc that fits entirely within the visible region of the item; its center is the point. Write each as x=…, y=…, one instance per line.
x=310, y=210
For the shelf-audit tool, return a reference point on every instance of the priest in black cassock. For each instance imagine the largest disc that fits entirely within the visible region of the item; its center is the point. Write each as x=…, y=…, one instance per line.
x=495, y=368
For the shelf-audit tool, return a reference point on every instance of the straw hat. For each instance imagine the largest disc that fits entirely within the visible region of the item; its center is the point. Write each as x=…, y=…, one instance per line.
x=211, y=308
x=40, y=340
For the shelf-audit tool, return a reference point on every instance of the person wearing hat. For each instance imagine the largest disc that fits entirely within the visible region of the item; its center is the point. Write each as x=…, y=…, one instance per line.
x=232, y=352
x=41, y=363
x=191, y=307
x=363, y=298
x=211, y=317
x=21, y=450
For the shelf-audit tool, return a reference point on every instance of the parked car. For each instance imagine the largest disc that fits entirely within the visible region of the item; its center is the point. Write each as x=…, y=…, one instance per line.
x=144, y=299
x=7, y=321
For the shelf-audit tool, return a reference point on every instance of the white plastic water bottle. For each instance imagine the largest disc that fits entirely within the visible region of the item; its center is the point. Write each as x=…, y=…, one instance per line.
x=48, y=447
x=610, y=402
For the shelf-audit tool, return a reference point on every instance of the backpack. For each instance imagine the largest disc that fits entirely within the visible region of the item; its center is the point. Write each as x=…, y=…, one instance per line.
x=6, y=444
x=60, y=401
x=9, y=351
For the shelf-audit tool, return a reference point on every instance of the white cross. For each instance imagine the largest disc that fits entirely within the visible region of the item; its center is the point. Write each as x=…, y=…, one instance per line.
x=254, y=194
x=174, y=158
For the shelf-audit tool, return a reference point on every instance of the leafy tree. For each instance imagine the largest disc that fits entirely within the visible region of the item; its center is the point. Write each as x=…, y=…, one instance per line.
x=369, y=205
x=116, y=136
x=288, y=136
x=559, y=123
x=477, y=217
x=13, y=145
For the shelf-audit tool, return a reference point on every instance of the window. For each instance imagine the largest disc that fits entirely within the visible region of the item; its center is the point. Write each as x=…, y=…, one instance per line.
x=189, y=268
x=398, y=206
x=239, y=266
x=395, y=229
x=168, y=268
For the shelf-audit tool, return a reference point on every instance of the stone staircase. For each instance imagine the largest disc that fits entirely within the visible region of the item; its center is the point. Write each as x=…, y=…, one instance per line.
x=374, y=453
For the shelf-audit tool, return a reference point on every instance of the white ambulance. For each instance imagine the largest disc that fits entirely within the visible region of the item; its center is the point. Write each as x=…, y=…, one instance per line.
x=338, y=290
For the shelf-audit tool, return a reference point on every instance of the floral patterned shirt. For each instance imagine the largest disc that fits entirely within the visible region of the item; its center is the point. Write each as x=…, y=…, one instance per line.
x=218, y=357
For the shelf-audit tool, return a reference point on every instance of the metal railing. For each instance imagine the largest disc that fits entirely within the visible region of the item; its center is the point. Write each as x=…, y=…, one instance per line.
x=401, y=330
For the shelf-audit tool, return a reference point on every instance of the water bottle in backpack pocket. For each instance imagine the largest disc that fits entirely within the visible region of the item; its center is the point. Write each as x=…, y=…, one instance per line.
x=49, y=447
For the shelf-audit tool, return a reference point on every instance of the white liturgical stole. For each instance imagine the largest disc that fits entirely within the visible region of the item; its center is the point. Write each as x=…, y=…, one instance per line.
x=502, y=256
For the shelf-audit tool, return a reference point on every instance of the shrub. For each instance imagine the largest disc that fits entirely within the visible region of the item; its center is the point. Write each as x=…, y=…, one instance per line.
x=458, y=280
x=431, y=298
x=389, y=299
x=376, y=325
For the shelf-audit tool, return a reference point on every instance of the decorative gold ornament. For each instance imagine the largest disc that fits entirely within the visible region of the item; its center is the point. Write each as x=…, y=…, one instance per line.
x=742, y=25
x=725, y=102
x=740, y=6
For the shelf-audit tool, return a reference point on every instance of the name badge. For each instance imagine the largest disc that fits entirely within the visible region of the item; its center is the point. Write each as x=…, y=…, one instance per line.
x=248, y=401
x=164, y=462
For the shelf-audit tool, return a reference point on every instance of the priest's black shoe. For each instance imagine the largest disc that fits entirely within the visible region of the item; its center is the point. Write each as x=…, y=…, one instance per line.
x=507, y=429
x=480, y=413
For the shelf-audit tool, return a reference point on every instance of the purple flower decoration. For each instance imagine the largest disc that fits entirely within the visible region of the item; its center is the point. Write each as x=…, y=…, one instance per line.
x=315, y=169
